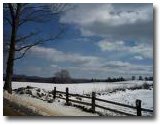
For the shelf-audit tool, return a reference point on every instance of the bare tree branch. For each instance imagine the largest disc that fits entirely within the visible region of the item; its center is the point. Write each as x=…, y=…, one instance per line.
x=18, y=11
x=37, y=13
x=23, y=38
x=11, y=11
x=28, y=47
x=23, y=54
x=8, y=20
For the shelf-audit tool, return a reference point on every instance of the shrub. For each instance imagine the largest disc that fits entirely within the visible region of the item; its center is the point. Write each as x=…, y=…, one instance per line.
x=145, y=86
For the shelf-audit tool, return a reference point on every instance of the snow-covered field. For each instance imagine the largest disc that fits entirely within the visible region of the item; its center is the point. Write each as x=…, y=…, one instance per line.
x=123, y=92
x=129, y=97
x=83, y=88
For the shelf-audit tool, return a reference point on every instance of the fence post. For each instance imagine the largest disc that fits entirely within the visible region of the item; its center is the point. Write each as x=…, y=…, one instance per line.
x=93, y=101
x=67, y=96
x=138, y=106
x=54, y=93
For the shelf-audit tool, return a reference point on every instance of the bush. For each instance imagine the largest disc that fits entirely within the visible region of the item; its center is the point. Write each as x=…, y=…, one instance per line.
x=145, y=86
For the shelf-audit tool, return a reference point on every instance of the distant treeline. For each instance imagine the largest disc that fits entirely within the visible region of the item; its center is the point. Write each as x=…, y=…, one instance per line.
x=23, y=78
x=109, y=79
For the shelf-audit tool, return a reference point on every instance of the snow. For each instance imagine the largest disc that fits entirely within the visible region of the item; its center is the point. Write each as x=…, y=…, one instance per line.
x=125, y=92
x=43, y=108
x=129, y=97
x=83, y=88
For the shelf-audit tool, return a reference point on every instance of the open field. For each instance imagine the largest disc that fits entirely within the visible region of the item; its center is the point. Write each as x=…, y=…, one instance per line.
x=84, y=88
x=123, y=92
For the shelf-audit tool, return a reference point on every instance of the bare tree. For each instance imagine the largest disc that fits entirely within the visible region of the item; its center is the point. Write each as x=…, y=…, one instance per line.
x=140, y=78
x=133, y=78
x=63, y=76
x=16, y=15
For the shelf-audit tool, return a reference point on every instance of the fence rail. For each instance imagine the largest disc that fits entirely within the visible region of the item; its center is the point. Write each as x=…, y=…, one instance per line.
x=93, y=104
x=84, y=103
x=114, y=110
x=116, y=103
x=147, y=110
x=82, y=96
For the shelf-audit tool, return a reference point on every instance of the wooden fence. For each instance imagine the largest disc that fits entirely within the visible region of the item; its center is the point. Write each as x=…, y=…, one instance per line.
x=93, y=105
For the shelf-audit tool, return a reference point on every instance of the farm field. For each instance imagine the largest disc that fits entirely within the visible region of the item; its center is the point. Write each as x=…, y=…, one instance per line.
x=84, y=88
x=123, y=92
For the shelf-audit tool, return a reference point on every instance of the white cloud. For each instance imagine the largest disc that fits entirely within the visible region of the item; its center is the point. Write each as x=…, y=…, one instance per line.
x=106, y=45
x=85, y=14
x=138, y=57
x=84, y=65
x=54, y=55
x=143, y=50
x=113, y=68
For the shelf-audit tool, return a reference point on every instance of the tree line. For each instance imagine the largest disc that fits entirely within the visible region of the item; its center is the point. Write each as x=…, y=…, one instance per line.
x=150, y=78
x=63, y=77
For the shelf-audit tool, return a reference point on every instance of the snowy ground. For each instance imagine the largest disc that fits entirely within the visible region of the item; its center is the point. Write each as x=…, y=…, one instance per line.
x=129, y=97
x=43, y=108
x=123, y=92
x=83, y=88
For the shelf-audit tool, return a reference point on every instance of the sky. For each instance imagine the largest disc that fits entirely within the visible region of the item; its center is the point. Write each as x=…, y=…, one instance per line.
x=99, y=41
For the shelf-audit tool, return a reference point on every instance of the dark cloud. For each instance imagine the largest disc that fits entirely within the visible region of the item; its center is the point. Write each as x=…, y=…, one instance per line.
x=131, y=6
x=142, y=31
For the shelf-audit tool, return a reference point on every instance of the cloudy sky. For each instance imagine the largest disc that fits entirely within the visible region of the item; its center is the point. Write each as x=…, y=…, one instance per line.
x=101, y=40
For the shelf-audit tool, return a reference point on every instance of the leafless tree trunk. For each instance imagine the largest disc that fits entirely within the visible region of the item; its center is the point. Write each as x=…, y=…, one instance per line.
x=10, y=62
